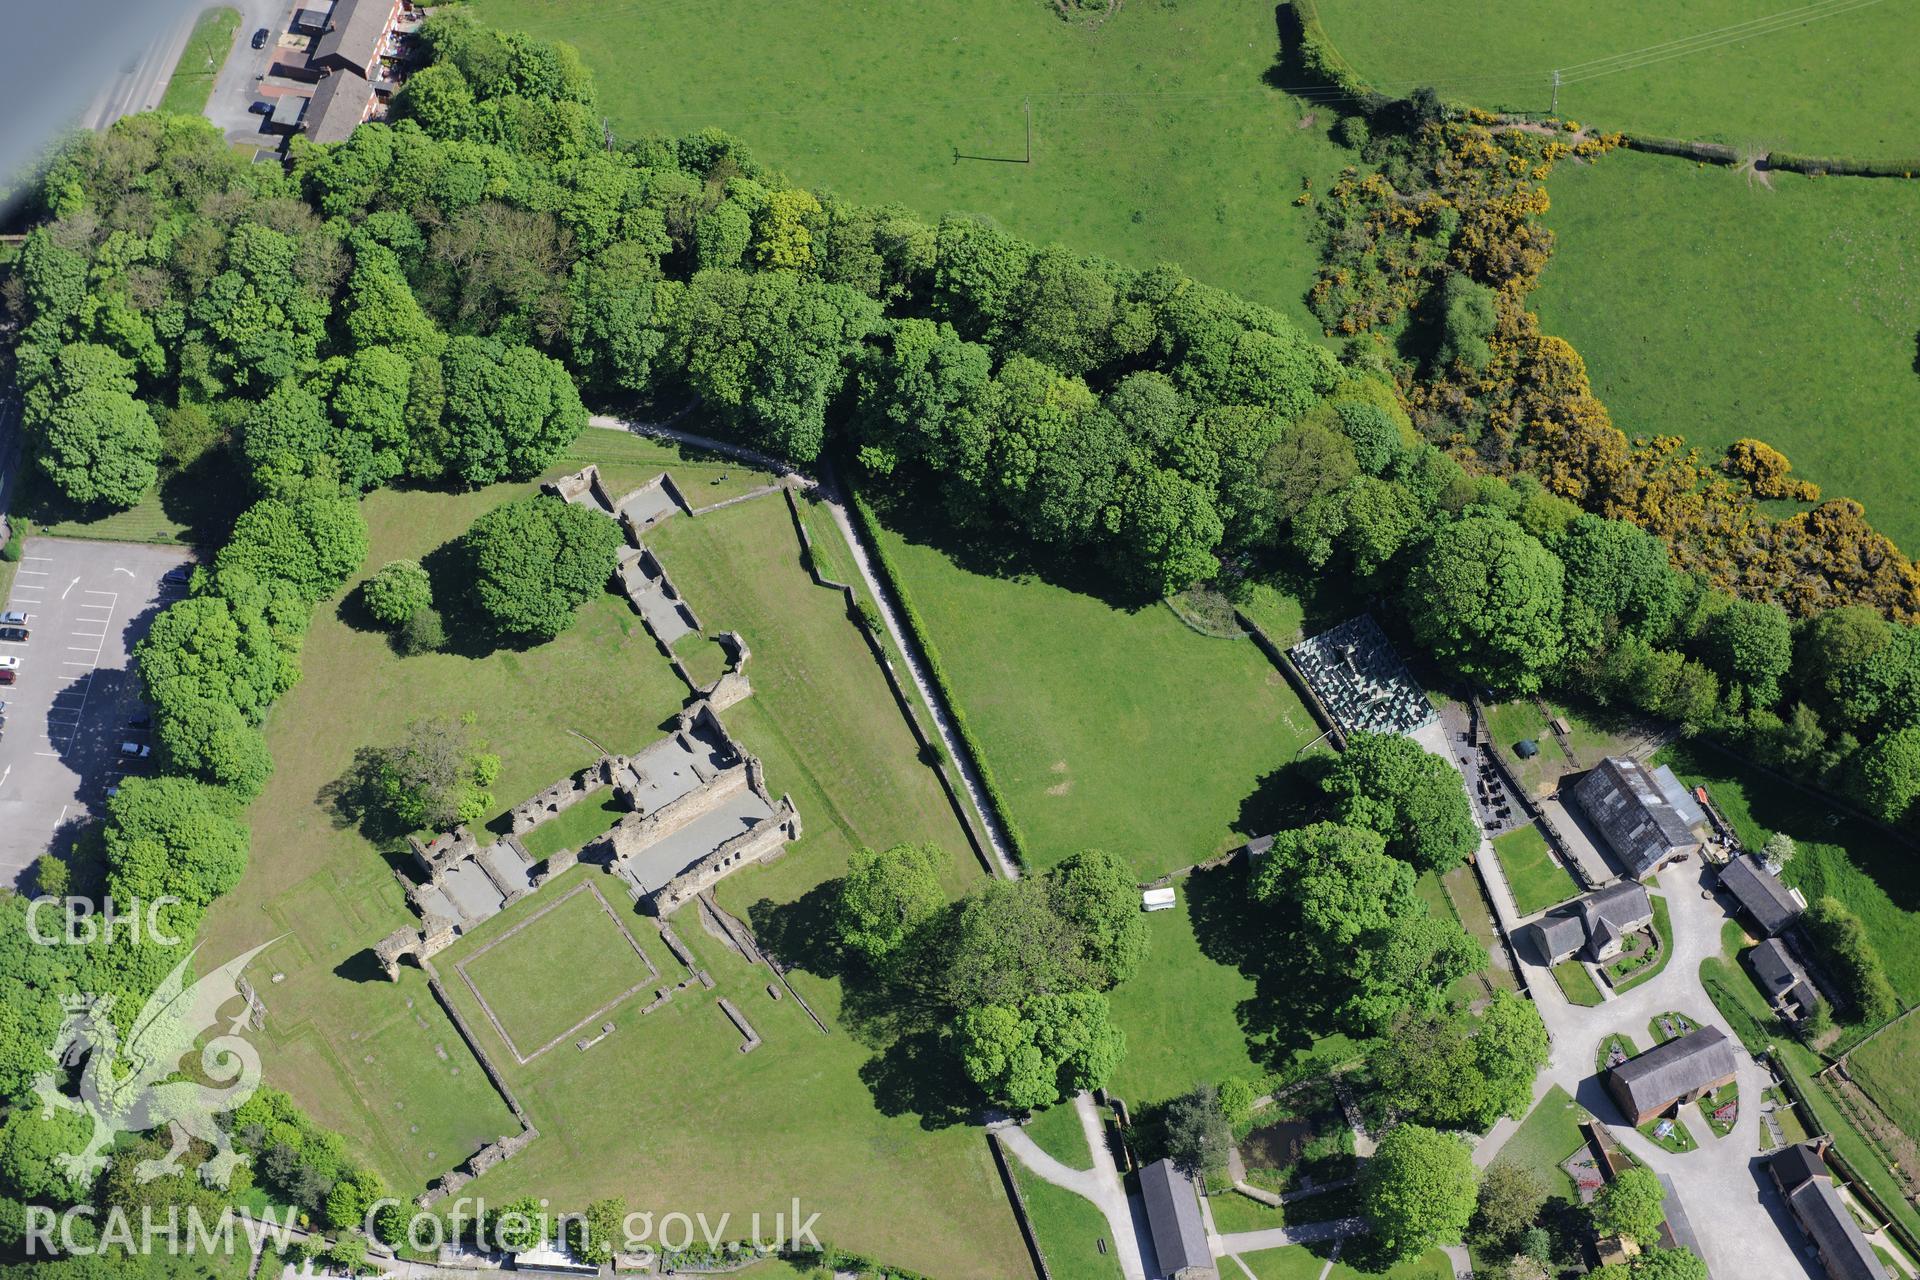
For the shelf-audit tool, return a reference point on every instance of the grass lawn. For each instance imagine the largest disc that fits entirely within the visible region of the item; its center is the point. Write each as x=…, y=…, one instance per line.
x=1624, y=1044
x=1549, y=1134
x=821, y=717
x=1877, y=878
x=575, y=827
x=1069, y=1228
x=627, y=461
x=1626, y=979
x=1102, y=727
x=147, y=521
x=1658, y=261
x=1677, y=1140
x=1057, y=1132
x=1234, y=1212
x=1469, y=905
x=362, y=1055
x=1576, y=983
x=651, y=1113
x=1155, y=138
x=206, y=52
x=1299, y=1262
x=1680, y=1022
x=1769, y=85
x=568, y=960
x=1884, y=1068
x=1719, y=1098
x=1537, y=881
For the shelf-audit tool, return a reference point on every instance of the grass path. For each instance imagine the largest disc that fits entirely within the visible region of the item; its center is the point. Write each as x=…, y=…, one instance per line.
x=200, y=62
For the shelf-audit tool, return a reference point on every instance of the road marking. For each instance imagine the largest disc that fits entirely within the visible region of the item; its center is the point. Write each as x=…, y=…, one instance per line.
x=4, y=774
x=88, y=635
x=118, y=569
x=70, y=587
x=89, y=689
x=74, y=662
x=35, y=560
x=91, y=592
x=38, y=573
x=54, y=754
x=79, y=648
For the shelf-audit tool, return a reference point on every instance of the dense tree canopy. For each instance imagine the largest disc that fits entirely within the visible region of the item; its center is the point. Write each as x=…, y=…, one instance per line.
x=1387, y=782
x=885, y=895
x=536, y=561
x=1486, y=598
x=1418, y=1190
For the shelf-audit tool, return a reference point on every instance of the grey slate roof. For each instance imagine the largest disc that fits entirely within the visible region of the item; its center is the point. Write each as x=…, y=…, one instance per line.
x=1675, y=1067
x=1638, y=821
x=1760, y=894
x=339, y=105
x=287, y=110
x=1622, y=908
x=353, y=35
x=1842, y=1247
x=1780, y=975
x=1795, y=1164
x=1679, y=797
x=1559, y=934
x=1173, y=1218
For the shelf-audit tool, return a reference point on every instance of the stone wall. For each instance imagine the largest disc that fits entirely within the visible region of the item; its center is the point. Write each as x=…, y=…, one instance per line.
x=561, y=796
x=636, y=831
x=764, y=842
x=583, y=488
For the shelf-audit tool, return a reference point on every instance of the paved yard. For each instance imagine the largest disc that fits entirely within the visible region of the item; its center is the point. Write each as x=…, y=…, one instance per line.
x=74, y=698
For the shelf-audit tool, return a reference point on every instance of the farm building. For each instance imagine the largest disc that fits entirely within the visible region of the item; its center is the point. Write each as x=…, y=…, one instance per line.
x=1645, y=816
x=1598, y=924
x=1174, y=1223
x=1768, y=903
x=1672, y=1074
x=1788, y=988
x=1800, y=1171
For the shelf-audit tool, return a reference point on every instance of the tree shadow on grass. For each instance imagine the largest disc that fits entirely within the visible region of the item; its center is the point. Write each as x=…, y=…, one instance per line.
x=920, y=1074
x=1284, y=798
x=1288, y=1010
x=206, y=496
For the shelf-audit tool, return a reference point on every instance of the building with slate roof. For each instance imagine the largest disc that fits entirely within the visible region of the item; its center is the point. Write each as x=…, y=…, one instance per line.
x=1597, y=924
x=1672, y=1074
x=1768, y=903
x=1645, y=817
x=354, y=35
x=1788, y=988
x=340, y=102
x=1800, y=1171
x=1173, y=1220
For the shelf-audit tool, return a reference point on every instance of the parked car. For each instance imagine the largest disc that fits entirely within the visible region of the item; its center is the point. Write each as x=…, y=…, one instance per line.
x=9, y=664
x=7, y=675
x=16, y=634
x=179, y=577
x=13, y=618
x=137, y=750
x=261, y=108
x=261, y=37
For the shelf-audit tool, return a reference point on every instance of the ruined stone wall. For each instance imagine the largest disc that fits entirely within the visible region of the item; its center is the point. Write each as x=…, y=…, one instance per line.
x=764, y=842
x=560, y=797
x=636, y=831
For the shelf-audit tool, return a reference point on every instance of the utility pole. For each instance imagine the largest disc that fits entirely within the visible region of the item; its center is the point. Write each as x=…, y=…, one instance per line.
x=1026, y=105
x=1554, y=110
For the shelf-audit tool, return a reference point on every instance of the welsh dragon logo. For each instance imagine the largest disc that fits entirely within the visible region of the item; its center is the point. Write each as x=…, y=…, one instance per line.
x=138, y=1085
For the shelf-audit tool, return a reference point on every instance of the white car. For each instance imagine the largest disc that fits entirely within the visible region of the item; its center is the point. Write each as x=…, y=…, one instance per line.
x=13, y=618
x=138, y=750
x=9, y=664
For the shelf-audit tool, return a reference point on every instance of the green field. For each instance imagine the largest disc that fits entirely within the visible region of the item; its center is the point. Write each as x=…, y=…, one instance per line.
x=569, y=960
x=1576, y=983
x=1057, y=1132
x=1697, y=70
x=1874, y=875
x=1102, y=727
x=573, y=828
x=1710, y=308
x=1068, y=1227
x=200, y=62
x=1155, y=138
x=1299, y=1262
x=821, y=716
x=1549, y=1134
x=1884, y=1068
x=1537, y=881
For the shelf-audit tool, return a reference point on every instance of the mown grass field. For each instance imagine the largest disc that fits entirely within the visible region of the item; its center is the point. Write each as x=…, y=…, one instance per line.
x=206, y=52
x=381, y=1063
x=1884, y=1067
x=1712, y=309
x=1154, y=136
x=1123, y=730
x=1549, y=1134
x=1774, y=89
x=1068, y=1227
x=1537, y=881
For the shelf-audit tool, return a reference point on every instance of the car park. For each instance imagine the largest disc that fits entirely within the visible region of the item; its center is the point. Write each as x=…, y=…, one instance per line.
x=18, y=635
